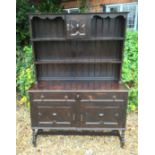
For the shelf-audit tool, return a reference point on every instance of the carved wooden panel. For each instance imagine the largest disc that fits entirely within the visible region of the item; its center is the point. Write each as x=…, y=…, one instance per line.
x=77, y=26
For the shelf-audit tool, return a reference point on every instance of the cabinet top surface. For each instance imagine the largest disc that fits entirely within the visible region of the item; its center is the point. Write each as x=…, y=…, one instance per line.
x=78, y=86
x=90, y=13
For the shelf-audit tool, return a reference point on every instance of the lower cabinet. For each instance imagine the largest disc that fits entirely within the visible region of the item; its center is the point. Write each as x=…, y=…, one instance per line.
x=78, y=111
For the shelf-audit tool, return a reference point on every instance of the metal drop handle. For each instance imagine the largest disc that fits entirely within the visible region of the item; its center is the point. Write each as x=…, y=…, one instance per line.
x=39, y=114
x=66, y=97
x=42, y=96
x=101, y=114
x=54, y=114
x=114, y=97
x=78, y=96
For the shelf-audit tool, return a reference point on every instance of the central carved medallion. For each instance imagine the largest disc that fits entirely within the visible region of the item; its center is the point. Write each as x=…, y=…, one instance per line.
x=76, y=28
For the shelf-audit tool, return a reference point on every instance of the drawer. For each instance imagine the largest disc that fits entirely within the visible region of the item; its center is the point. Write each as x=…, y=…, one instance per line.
x=49, y=95
x=104, y=96
x=100, y=114
x=52, y=114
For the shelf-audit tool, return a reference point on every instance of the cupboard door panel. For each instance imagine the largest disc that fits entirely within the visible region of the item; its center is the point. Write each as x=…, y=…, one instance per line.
x=101, y=114
x=53, y=114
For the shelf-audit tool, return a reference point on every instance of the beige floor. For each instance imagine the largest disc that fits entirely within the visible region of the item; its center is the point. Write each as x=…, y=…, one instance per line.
x=74, y=145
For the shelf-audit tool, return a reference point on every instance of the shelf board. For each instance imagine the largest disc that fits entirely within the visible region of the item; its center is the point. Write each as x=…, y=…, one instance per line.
x=74, y=61
x=48, y=39
x=78, y=78
x=83, y=39
x=107, y=38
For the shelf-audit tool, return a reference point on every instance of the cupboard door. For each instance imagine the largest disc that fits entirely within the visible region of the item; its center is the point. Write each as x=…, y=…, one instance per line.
x=77, y=26
x=101, y=114
x=53, y=114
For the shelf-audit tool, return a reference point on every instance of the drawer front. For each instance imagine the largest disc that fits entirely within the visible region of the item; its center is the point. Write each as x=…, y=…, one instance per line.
x=102, y=114
x=55, y=114
x=105, y=96
x=52, y=96
x=81, y=96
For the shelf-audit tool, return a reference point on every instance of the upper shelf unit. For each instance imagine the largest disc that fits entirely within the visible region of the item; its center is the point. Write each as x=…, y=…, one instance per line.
x=59, y=27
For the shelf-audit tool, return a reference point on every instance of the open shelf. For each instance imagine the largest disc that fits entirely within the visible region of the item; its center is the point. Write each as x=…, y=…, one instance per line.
x=102, y=71
x=85, y=39
x=74, y=61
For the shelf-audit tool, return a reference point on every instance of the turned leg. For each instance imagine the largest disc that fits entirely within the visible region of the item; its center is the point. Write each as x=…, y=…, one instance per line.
x=122, y=137
x=34, y=137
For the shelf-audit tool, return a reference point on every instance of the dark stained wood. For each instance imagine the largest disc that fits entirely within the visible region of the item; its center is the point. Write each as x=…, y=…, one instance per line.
x=81, y=71
x=101, y=114
x=75, y=61
x=78, y=86
x=78, y=59
x=85, y=39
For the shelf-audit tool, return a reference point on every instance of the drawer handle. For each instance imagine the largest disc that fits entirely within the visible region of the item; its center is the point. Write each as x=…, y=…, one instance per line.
x=116, y=114
x=39, y=114
x=42, y=96
x=114, y=97
x=66, y=97
x=101, y=114
x=78, y=96
x=54, y=114
x=90, y=97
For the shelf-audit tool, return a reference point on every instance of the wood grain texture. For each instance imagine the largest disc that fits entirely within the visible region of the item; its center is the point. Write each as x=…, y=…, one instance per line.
x=78, y=60
x=75, y=85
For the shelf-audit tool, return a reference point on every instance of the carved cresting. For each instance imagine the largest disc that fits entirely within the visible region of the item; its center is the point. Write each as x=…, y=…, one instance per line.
x=76, y=28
